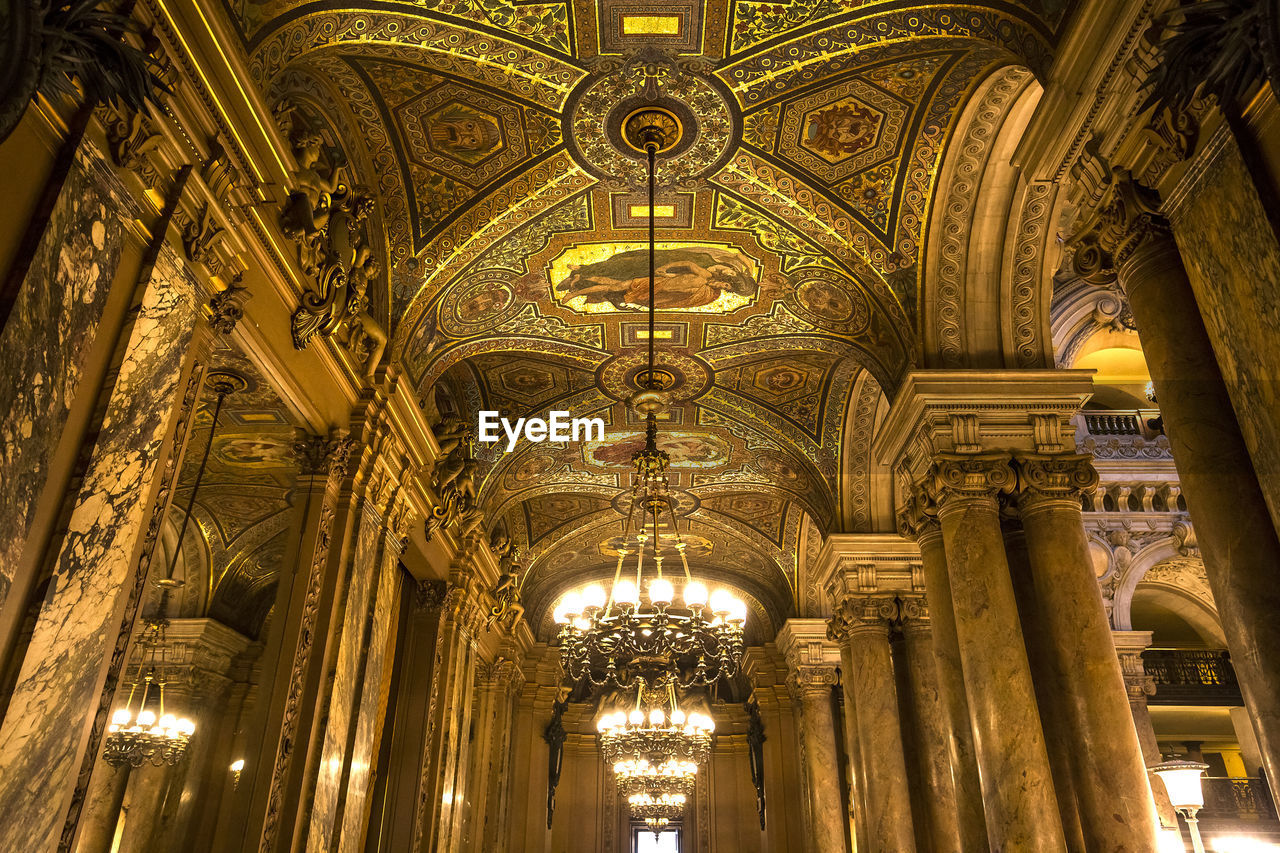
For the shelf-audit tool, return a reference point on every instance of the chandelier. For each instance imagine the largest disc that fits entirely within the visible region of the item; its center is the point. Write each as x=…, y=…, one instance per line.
x=655, y=749
x=613, y=636
x=151, y=734
x=147, y=735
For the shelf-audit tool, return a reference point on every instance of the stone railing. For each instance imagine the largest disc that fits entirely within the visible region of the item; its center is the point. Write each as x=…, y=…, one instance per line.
x=1122, y=434
x=1192, y=677
x=1236, y=798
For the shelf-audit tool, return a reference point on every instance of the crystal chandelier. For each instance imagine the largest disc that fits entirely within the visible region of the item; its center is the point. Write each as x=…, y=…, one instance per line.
x=153, y=735
x=612, y=636
x=655, y=749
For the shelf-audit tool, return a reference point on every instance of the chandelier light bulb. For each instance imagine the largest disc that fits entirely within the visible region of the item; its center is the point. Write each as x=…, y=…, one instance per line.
x=721, y=602
x=626, y=594
x=572, y=603
x=582, y=624
x=121, y=718
x=169, y=722
x=678, y=717
x=146, y=719
x=661, y=591
x=186, y=727
x=636, y=718
x=559, y=614
x=594, y=598
x=657, y=718
x=695, y=594
x=737, y=612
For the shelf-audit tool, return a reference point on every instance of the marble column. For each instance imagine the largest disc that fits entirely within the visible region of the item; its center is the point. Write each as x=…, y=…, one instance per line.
x=503, y=680
x=1059, y=734
x=1113, y=794
x=1237, y=538
x=811, y=676
x=143, y=806
x=359, y=665
x=442, y=782
x=953, y=705
x=55, y=715
x=931, y=731
x=861, y=625
x=101, y=812
x=1017, y=785
x=1139, y=686
x=259, y=814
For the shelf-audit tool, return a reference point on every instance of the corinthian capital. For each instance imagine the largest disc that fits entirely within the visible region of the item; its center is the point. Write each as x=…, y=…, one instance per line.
x=953, y=476
x=913, y=612
x=858, y=613
x=1058, y=477
x=1126, y=217
x=319, y=455
x=809, y=679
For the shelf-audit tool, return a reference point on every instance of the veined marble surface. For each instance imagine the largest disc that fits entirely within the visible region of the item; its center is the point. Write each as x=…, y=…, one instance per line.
x=373, y=698
x=46, y=340
x=334, y=759
x=57, y=691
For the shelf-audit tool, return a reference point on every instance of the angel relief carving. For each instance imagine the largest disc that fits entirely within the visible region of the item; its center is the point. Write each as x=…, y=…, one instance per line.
x=329, y=222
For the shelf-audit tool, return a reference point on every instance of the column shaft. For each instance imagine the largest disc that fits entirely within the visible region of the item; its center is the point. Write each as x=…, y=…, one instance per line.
x=818, y=732
x=930, y=733
x=101, y=811
x=1235, y=531
x=53, y=720
x=877, y=722
x=954, y=706
x=1129, y=648
x=1110, y=779
x=1017, y=786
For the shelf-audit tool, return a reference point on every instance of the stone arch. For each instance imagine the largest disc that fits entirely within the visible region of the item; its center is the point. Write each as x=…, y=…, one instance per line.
x=986, y=275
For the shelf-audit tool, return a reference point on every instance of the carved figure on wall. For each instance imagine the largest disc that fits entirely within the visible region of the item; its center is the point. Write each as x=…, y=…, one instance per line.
x=755, y=753
x=555, y=736
x=454, y=479
x=329, y=222
x=508, y=611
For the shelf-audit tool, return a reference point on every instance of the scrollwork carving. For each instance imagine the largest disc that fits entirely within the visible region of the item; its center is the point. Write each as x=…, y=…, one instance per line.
x=1126, y=217
x=953, y=476
x=1055, y=477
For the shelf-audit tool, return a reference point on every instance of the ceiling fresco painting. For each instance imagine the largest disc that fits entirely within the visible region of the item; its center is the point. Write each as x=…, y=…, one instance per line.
x=789, y=218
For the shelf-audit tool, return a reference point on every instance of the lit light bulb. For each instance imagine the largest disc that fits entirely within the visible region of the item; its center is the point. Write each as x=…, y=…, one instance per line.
x=594, y=598
x=582, y=624
x=237, y=765
x=146, y=718
x=121, y=717
x=626, y=594
x=721, y=602
x=603, y=725
x=168, y=722
x=572, y=603
x=678, y=717
x=559, y=614
x=661, y=591
x=695, y=594
x=186, y=727
x=636, y=717
x=656, y=717
x=738, y=611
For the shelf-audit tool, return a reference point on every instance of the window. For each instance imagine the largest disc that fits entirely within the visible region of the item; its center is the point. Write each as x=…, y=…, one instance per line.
x=643, y=840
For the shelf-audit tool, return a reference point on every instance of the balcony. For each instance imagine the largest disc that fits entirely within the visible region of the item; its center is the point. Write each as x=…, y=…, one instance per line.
x=1192, y=677
x=1236, y=798
x=1123, y=434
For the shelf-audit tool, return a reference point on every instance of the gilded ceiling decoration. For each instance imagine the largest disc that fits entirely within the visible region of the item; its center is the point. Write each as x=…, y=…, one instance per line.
x=789, y=217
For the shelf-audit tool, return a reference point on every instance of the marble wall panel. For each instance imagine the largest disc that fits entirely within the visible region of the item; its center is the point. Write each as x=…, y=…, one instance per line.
x=373, y=700
x=46, y=340
x=56, y=695
x=334, y=759
x=1233, y=260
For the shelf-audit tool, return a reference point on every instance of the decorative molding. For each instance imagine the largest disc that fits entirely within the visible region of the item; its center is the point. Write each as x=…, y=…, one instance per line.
x=1028, y=275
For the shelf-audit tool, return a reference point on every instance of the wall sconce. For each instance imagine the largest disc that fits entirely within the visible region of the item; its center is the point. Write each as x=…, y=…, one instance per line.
x=236, y=767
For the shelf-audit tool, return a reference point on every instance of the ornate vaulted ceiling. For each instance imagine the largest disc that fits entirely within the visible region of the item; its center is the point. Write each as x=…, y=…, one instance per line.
x=790, y=227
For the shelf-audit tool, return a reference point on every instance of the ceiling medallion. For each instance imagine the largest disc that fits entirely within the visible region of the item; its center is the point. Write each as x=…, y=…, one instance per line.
x=690, y=111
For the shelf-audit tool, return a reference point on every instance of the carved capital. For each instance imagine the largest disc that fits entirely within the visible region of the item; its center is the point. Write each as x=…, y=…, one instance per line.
x=1064, y=477
x=319, y=455
x=812, y=679
x=913, y=612
x=1125, y=219
x=964, y=476
x=226, y=307
x=862, y=613
x=918, y=516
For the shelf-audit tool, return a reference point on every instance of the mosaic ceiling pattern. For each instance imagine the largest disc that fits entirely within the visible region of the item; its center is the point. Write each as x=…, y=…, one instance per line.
x=790, y=225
